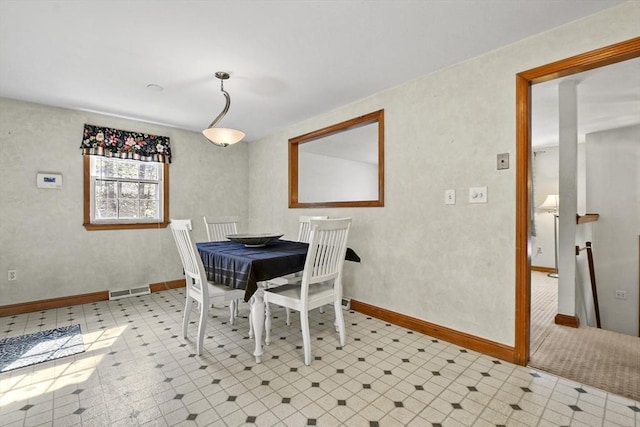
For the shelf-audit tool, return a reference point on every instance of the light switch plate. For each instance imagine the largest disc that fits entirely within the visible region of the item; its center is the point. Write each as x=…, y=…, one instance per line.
x=449, y=197
x=478, y=195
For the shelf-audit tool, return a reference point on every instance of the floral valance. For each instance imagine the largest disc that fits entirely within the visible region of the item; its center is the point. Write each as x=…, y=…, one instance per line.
x=108, y=142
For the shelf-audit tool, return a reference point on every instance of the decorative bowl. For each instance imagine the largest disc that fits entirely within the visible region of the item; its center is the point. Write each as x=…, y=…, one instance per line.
x=254, y=240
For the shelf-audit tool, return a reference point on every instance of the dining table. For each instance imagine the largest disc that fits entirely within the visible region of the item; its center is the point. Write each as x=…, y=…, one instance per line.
x=249, y=268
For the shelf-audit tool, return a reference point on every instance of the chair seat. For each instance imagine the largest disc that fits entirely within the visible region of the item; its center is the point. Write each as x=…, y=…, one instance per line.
x=221, y=293
x=289, y=279
x=319, y=295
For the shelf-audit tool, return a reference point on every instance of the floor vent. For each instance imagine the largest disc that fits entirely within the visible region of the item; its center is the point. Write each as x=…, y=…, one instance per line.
x=114, y=295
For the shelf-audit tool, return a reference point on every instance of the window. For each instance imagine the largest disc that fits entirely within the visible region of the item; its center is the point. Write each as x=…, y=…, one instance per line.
x=124, y=193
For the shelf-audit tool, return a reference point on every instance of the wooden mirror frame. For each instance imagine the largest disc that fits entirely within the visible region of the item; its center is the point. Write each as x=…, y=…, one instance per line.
x=294, y=143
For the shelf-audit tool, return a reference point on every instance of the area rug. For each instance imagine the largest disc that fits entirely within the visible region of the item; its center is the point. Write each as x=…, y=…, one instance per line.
x=26, y=350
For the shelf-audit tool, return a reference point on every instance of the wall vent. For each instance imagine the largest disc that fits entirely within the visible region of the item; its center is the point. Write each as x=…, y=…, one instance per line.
x=126, y=293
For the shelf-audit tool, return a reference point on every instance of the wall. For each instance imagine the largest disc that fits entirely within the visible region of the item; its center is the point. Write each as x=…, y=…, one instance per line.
x=41, y=232
x=449, y=265
x=613, y=191
x=545, y=177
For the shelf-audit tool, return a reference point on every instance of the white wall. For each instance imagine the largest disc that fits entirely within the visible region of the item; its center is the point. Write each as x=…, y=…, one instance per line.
x=613, y=191
x=41, y=232
x=450, y=265
x=545, y=175
x=331, y=179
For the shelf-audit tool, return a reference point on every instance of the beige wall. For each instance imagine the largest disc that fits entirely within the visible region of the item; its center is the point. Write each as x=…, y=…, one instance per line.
x=613, y=191
x=41, y=232
x=449, y=265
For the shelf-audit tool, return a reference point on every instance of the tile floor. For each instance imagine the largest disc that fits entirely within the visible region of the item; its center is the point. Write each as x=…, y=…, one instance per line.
x=138, y=370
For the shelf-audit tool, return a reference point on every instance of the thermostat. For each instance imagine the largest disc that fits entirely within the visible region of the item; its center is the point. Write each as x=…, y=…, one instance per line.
x=49, y=180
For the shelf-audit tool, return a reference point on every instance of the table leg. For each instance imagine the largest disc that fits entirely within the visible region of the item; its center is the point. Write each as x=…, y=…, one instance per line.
x=257, y=318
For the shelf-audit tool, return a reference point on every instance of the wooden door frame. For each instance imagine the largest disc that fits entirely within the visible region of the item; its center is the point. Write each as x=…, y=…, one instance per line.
x=587, y=61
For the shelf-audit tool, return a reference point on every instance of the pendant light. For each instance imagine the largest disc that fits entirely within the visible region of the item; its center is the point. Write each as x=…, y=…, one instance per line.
x=222, y=137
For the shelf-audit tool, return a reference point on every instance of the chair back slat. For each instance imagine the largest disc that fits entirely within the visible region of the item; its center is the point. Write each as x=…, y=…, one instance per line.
x=305, y=229
x=218, y=228
x=327, y=248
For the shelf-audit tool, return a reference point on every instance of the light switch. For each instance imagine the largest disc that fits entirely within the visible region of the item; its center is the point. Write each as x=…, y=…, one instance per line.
x=478, y=195
x=449, y=197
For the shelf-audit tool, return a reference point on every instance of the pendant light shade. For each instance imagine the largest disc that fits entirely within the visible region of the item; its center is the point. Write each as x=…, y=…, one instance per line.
x=222, y=137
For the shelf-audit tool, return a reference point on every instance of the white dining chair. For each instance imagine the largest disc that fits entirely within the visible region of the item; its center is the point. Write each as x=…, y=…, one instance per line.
x=304, y=233
x=218, y=228
x=199, y=289
x=321, y=279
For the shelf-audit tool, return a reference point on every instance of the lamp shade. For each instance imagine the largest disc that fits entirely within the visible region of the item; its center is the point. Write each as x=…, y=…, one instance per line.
x=551, y=203
x=223, y=136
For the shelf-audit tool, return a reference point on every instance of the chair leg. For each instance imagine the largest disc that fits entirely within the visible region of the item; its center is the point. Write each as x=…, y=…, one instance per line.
x=202, y=325
x=185, y=316
x=306, y=339
x=321, y=308
x=267, y=323
x=232, y=311
x=250, y=318
x=340, y=322
x=288, y=321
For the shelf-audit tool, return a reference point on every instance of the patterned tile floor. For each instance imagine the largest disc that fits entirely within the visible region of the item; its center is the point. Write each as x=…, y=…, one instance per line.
x=138, y=370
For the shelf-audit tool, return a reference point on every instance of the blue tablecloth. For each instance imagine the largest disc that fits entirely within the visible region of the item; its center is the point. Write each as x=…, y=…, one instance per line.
x=239, y=267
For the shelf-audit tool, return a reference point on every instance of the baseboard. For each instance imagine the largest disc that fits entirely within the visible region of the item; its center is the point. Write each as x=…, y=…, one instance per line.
x=53, y=303
x=543, y=269
x=48, y=304
x=472, y=342
x=164, y=286
x=566, y=320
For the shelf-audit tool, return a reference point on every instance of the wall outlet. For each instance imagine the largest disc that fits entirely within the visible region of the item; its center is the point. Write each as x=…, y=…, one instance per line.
x=503, y=161
x=12, y=275
x=621, y=294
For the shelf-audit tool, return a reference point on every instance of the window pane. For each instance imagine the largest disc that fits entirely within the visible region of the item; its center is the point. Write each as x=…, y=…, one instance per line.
x=129, y=190
x=106, y=208
x=106, y=189
x=128, y=170
x=128, y=209
x=149, y=191
x=107, y=168
x=149, y=171
x=148, y=209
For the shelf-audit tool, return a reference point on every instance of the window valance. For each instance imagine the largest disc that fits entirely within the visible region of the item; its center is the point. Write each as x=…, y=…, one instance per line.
x=108, y=142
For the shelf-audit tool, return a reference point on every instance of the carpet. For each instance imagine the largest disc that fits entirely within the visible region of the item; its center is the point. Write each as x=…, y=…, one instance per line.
x=544, y=306
x=604, y=359
x=26, y=350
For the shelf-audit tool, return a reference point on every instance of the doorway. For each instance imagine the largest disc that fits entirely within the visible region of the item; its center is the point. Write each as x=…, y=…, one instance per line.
x=584, y=62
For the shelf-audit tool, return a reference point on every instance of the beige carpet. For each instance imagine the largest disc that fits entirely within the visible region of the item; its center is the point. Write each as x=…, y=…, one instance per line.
x=607, y=360
x=544, y=306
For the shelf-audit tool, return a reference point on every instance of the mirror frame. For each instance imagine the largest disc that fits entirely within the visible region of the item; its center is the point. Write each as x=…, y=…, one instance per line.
x=294, y=144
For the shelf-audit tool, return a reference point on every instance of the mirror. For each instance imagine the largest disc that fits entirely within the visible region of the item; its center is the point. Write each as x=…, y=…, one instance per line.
x=339, y=166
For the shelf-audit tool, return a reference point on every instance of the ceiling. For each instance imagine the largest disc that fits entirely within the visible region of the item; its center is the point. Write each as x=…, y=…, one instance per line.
x=288, y=60
x=606, y=97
